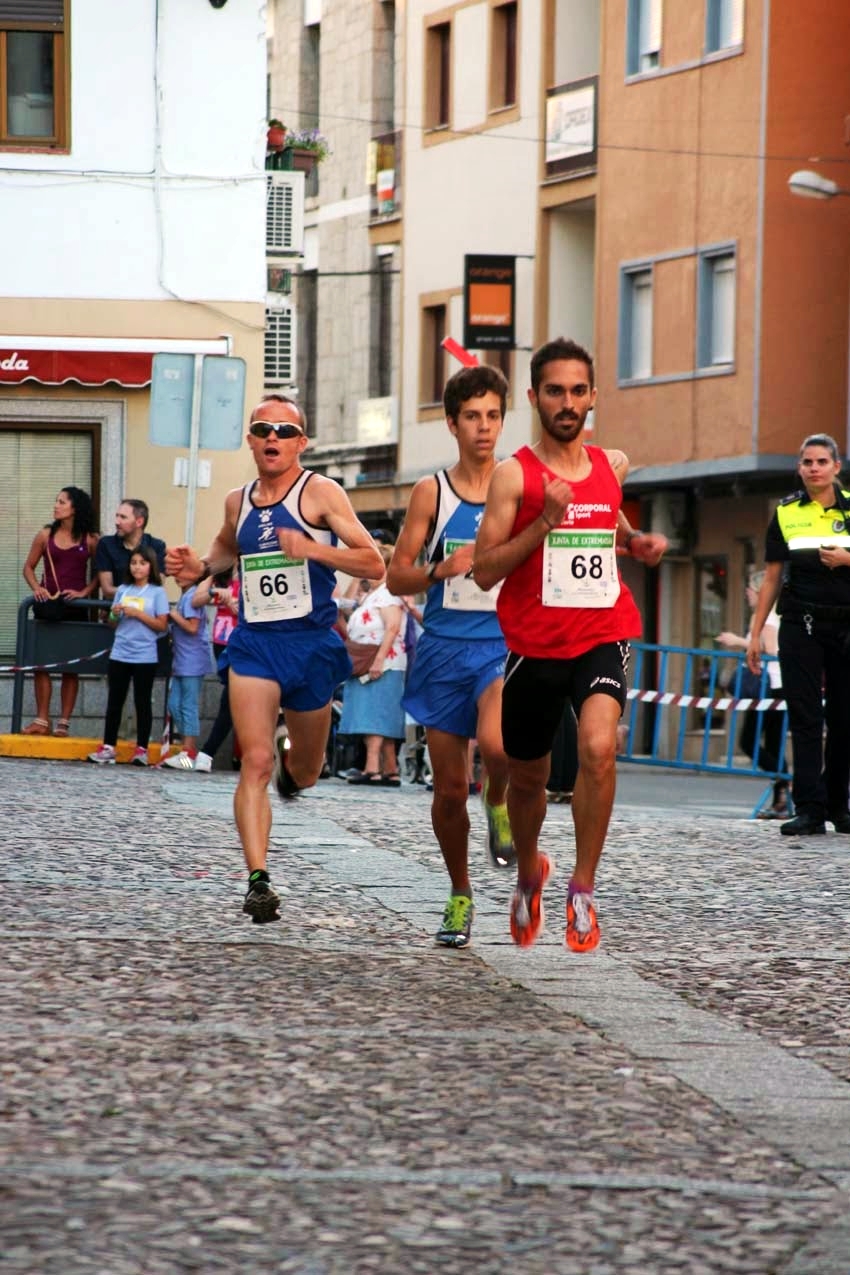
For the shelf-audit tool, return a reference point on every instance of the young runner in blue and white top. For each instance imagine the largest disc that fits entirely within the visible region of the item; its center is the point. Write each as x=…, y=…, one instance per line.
x=290, y=530
x=455, y=686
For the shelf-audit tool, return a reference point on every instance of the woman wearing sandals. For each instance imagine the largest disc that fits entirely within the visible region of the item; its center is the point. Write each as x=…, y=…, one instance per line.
x=67, y=548
x=372, y=703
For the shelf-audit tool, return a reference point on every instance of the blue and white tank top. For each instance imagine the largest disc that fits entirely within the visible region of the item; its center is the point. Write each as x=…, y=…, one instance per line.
x=256, y=535
x=455, y=607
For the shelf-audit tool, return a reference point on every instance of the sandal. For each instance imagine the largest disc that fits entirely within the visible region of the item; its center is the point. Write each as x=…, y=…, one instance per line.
x=40, y=726
x=391, y=781
x=366, y=777
x=62, y=726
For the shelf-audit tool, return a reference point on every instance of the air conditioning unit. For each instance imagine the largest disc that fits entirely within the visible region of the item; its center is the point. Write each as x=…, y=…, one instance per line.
x=285, y=214
x=279, y=344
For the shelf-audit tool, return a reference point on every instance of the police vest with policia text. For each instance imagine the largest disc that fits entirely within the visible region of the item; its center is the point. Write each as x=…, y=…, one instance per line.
x=806, y=527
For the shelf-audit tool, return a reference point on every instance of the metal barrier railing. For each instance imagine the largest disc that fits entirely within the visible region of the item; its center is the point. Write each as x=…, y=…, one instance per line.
x=81, y=646
x=696, y=726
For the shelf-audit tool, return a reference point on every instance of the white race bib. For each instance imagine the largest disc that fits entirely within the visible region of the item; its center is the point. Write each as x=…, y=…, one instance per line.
x=580, y=568
x=461, y=593
x=274, y=587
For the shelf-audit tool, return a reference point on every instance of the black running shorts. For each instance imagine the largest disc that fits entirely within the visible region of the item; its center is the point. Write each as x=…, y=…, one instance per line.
x=535, y=693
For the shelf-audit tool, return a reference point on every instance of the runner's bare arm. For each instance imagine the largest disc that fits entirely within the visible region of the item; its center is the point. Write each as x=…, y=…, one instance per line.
x=404, y=575
x=187, y=567
x=324, y=501
x=496, y=554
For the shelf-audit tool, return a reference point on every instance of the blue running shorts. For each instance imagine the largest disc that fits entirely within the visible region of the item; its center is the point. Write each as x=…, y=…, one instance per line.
x=307, y=666
x=447, y=680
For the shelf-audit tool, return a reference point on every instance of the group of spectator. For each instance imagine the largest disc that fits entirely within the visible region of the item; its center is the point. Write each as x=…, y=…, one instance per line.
x=126, y=569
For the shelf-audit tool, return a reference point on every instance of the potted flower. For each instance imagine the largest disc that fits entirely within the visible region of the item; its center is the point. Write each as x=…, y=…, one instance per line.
x=308, y=147
x=276, y=136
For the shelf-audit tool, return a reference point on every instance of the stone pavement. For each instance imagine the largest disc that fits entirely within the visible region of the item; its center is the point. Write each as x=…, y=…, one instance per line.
x=181, y=1091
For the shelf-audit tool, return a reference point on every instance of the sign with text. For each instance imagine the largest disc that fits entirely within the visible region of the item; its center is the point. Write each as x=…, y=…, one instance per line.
x=489, y=303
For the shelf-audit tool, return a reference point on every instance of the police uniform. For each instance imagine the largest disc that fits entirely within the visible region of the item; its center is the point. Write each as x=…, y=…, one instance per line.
x=814, y=648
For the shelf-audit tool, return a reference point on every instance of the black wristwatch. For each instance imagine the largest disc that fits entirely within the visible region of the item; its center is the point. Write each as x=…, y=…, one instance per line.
x=430, y=571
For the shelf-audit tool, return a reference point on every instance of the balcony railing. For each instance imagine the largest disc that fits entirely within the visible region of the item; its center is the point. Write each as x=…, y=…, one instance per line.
x=571, y=124
x=385, y=175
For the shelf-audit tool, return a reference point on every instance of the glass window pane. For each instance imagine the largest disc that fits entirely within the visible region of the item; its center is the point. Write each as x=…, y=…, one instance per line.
x=641, y=334
x=723, y=310
x=30, y=83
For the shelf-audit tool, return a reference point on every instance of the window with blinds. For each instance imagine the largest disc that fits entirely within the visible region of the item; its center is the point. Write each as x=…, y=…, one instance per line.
x=33, y=73
x=36, y=465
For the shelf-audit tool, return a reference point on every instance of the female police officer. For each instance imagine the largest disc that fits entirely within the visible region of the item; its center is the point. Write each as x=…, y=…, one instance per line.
x=807, y=557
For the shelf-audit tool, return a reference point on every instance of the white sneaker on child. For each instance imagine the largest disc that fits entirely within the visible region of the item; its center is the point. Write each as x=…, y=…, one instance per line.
x=203, y=762
x=181, y=761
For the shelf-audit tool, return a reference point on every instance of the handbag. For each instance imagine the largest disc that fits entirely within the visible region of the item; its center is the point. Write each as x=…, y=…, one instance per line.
x=52, y=609
x=362, y=656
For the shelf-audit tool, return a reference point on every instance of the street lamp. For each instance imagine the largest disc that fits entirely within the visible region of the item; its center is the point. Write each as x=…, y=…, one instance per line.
x=811, y=185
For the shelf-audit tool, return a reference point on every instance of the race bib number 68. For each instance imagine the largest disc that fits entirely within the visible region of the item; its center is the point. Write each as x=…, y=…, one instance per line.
x=580, y=568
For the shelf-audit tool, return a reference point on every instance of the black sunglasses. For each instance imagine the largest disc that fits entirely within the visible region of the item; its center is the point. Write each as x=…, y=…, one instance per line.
x=282, y=429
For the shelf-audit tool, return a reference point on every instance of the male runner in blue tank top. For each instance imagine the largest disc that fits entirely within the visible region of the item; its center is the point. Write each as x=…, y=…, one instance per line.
x=455, y=686
x=284, y=530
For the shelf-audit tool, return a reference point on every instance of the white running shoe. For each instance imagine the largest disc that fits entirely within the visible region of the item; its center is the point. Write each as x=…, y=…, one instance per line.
x=180, y=761
x=105, y=756
x=203, y=762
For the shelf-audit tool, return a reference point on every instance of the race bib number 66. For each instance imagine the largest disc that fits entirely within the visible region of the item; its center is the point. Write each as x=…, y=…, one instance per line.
x=580, y=568
x=275, y=587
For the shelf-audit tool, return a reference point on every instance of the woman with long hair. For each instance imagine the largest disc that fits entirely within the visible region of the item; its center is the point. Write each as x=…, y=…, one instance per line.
x=66, y=547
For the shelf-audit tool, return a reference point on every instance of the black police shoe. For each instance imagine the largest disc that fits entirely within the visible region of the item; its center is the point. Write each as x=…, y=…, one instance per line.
x=803, y=826
x=841, y=823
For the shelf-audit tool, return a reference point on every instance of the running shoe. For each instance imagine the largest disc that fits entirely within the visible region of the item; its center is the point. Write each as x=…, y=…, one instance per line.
x=180, y=761
x=140, y=757
x=104, y=756
x=457, y=921
x=527, y=915
x=203, y=763
x=582, y=925
x=499, y=840
x=261, y=902
x=286, y=787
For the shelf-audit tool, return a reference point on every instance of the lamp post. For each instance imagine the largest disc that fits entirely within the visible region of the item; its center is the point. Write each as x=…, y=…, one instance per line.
x=810, y=185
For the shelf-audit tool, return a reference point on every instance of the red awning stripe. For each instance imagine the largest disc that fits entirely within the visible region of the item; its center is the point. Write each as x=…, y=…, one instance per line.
x=92, y=368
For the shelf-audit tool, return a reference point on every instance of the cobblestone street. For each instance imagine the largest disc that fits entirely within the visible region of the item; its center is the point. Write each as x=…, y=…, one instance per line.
x=183, y=1091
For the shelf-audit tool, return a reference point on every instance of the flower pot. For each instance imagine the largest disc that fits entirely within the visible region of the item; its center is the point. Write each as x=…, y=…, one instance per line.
x=275, y=138
x=303, y=160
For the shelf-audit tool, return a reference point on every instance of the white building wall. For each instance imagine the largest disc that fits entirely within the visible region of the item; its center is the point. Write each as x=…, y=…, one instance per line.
x=476, y=194
x=176, y=197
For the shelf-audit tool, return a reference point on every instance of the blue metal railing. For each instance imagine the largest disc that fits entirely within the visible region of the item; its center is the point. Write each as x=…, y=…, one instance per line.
x=686, y=709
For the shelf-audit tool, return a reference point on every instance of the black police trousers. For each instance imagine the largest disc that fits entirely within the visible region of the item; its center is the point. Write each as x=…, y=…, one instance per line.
x=813, y=656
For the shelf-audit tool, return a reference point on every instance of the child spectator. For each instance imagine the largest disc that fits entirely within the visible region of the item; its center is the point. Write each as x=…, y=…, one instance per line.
x=222, y=592
x=190, y=663
x=140, y=611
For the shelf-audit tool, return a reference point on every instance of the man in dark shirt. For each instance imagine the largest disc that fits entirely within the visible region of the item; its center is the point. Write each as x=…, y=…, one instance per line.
x=112, y=557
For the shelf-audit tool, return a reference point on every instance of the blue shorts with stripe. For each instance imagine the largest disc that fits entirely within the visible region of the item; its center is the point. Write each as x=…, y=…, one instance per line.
x=307, y=666
x=447, y=680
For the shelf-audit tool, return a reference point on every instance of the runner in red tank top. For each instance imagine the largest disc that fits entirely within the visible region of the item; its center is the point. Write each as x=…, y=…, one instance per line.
x=551, y=530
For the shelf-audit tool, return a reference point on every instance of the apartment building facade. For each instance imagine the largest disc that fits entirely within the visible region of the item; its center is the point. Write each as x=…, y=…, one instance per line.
x=133, y=192
x=630, y=159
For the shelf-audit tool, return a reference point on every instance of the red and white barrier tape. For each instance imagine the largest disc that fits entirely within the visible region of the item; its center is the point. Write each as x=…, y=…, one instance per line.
x=723, y=704
x=63, y=664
